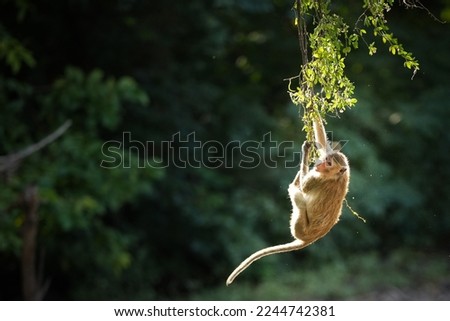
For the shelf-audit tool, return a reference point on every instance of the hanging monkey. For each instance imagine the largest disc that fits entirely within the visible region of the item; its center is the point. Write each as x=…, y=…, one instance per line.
x=316, y=196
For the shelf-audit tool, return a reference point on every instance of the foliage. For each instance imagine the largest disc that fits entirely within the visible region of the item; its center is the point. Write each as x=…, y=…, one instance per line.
x=377, y=20
x=74, y=191
x=323, y=85
x=14, y=53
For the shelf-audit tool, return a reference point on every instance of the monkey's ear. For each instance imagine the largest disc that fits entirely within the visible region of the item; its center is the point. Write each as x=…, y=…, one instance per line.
x=343, y=170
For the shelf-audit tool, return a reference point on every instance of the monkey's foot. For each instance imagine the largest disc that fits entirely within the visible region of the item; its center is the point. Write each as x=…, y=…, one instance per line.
x=293, y=188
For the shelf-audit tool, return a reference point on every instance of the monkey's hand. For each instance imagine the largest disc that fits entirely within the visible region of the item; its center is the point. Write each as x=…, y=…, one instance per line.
x=306, y=147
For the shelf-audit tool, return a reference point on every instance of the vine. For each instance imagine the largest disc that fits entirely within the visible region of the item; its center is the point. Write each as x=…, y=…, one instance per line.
x=323, y=86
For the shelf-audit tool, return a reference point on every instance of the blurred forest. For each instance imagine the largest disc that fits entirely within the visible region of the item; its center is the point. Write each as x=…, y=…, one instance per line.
x=132, y=77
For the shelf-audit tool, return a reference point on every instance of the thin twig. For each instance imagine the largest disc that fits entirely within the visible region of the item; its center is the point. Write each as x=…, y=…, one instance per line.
x=416, y=4
x=354, y=212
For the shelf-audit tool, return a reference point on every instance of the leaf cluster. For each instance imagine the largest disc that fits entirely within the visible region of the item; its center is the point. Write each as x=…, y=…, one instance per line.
x=324, y=87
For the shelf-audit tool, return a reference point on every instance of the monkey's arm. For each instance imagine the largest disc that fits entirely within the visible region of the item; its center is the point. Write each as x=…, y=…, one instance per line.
x=304, y=164
x=320, y=137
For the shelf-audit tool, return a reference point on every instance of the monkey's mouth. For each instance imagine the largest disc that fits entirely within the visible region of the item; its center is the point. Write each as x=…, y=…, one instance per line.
x=321, y=166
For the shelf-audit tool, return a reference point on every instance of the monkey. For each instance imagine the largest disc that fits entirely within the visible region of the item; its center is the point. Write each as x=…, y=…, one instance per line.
x=316, y=196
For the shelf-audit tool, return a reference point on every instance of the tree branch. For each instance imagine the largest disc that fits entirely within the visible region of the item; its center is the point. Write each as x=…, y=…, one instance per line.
x=301, y=31
x=31, y=287
x=8, y=161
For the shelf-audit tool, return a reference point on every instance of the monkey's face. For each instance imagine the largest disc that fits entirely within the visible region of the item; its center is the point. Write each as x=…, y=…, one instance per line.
x=332, y=165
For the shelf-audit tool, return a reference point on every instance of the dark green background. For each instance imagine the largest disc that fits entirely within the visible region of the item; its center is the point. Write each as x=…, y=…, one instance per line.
x=216, y=69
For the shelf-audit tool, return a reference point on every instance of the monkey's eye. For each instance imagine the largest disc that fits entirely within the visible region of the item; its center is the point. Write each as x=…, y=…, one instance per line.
x=329, y=162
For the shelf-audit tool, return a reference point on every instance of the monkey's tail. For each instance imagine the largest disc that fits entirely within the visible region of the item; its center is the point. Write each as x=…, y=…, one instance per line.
x=292, y=246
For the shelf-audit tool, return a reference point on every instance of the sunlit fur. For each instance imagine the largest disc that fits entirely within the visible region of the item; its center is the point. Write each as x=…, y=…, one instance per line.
x=316, y=196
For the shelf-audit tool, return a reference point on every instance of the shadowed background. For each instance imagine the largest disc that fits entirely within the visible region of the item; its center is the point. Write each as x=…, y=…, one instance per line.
x=72, y=229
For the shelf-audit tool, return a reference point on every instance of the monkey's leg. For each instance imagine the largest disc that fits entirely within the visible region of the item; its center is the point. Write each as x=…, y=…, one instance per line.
x=297, y=199
x=300, y=222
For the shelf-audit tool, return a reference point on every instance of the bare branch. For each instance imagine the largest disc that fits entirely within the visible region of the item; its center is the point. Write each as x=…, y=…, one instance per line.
x=416, y=4
x=8, y=161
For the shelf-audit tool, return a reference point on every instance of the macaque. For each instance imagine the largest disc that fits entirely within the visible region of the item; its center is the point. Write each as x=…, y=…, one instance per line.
x=316, y=196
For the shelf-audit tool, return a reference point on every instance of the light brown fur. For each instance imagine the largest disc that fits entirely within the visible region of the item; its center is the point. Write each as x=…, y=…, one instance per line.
x=316, y=196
